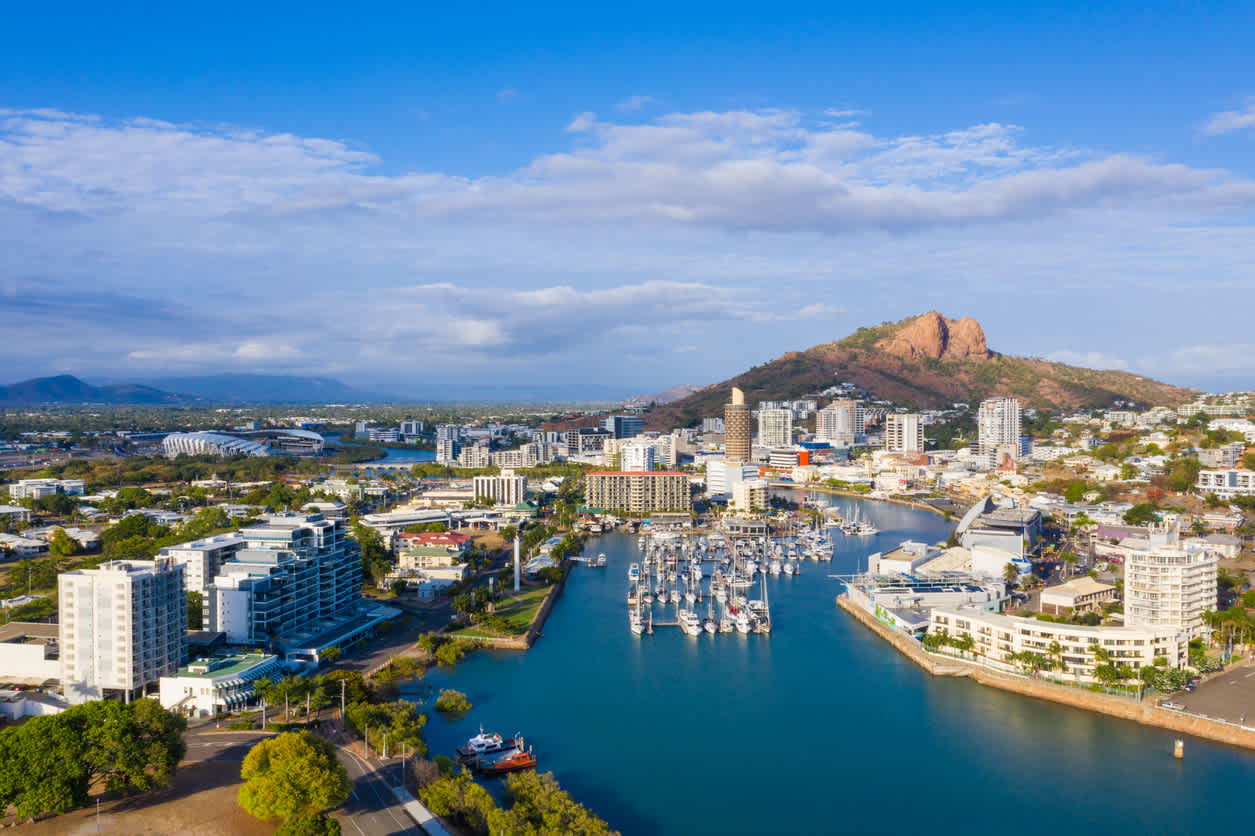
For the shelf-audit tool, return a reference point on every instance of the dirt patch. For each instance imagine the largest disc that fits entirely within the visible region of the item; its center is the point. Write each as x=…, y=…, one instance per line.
x=200, y=802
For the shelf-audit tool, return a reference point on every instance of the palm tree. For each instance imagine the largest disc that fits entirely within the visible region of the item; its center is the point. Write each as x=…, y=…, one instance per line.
x=1010, y=574
x=1056, y=655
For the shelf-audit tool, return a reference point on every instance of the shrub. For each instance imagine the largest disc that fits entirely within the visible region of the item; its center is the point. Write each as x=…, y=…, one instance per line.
x=452, y=702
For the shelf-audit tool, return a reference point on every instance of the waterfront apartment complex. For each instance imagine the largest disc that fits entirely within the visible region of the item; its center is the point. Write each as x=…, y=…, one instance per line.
x=122, y=626
x=904, y=432
x=296, y=569
x=505, y=489
x=998, y=638
x=775, y=427
x=737, y=439
x=201, y=559
x=659, y=490
x=1169, y=585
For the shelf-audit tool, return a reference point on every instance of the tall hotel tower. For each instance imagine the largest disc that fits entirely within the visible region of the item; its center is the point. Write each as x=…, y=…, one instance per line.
x=736, y=428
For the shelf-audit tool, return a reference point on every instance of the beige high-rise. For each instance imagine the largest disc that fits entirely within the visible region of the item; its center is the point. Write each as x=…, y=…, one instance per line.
x=736, y=428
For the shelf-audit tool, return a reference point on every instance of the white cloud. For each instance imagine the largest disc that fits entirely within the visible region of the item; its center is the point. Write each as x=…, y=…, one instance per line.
x=817, y=310
x=1088, y=359
x=1229, y=121
x=1212, y=359
x=635, y=102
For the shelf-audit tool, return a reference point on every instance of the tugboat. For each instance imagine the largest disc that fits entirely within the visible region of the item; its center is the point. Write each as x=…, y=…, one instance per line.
x=512, y=761
x=485, y=744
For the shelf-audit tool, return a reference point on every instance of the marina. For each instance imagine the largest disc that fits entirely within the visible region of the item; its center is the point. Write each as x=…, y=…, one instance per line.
x=679, y=572
x=825, y=678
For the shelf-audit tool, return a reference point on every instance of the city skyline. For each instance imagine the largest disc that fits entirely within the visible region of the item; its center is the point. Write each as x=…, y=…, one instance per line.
x=431, y=207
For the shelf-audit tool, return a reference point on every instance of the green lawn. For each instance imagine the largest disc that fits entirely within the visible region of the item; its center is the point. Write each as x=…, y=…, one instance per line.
x=517, y=610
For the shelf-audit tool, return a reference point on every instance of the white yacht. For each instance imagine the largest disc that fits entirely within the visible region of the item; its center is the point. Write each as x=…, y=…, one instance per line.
x=691, y=624
x=743, y=624
x=636, y=623
x=634, y=572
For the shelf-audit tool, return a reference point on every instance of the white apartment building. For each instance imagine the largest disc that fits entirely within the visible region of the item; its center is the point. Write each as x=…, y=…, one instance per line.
x=840, y=422
x=296, y=569
x=39, y=488
x=636, y=456
x=721, y=475
x=201, y=559
x=712, y=425
x=998, y=637
x=1170, y=583
x=1226, y=483
x=476, y=455
x=775, y=427
x=447, y=450
x=904, y=432
x=122, y=626
x=999, y=426
x=505, y=489
x=410, y=428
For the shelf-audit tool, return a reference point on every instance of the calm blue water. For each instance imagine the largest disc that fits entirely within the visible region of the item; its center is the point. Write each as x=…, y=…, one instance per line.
x=819, y=727
x=395, y=455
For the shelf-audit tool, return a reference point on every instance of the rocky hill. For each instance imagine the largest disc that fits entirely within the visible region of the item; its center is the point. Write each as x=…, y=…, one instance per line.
x=927, y=361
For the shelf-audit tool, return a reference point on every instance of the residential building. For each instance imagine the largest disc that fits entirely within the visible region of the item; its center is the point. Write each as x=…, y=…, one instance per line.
x=623, y=426
x=712, y=425
x=448, y=432
x=122, y=626
x=999, y=428
x=775, y=427
x=474, y=456
x=1169, y=583
x=1226, y=455
x=750, y=495
x=999, y=639
x=722, y=475
x=201, y=559
x=431, y=550
x=20, y=546
x=16, y=512
x=447, y=450
x=636, y=457
x=209, y=687
x=39, y=488
x=659, y=490
x=1076, y=596
x=737, y=439
x=29, y=654
x=390, y=434
x=586, y=441
x=411, y=428
x=1226, y=483
x=904, y=432
x=840, y=422
x=505, y=489
x=296, y=569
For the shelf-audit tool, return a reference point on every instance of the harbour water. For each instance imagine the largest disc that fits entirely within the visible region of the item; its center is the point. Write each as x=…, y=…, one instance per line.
x=818, y=728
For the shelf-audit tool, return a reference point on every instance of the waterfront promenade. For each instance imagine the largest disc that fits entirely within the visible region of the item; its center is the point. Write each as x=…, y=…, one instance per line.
x=1124, y=708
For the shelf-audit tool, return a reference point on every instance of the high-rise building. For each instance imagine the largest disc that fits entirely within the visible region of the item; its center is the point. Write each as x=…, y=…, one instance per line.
x=296, y=569
x=201, y=559
x=750, y=495
x=637, y=456
x=722, y=475
x=411, y=427
x=775, y=427
x=505, y=489
x=737, y=440
x=998, y=427
x=904, y=432
x=712, y=425
x=122, y=627
x=1169, y=584
x=623, y=426
x=447, y=450
x=840, y=422
x=448, y=432
x=659, y=490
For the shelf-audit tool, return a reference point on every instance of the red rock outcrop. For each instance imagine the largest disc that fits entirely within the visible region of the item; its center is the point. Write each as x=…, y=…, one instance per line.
x=933, y=336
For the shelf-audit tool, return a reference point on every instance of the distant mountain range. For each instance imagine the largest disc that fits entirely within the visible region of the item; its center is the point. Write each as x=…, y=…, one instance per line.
x=927, y=361
x=291, y=389
x=675, y=393
x=69, y=389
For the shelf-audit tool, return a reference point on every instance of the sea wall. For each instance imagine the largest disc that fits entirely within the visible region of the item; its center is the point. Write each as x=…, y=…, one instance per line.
x=1147, y=715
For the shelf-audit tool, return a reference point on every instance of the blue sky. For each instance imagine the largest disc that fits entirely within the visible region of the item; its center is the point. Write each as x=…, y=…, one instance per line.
x=643, y=197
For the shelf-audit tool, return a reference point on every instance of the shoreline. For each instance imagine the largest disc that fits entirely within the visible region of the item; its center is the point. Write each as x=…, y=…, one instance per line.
x=919, y=506
x=1142, y=713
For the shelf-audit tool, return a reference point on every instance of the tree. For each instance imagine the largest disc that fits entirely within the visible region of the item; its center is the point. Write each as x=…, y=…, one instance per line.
x=309, y=824
x=1010, y=573
x=452, y=702
x=330, y=655
x=61, y=543
x=292, y=774
x=195, y=610
x=508, y=533
x=1075, y=492
x=1141, y=514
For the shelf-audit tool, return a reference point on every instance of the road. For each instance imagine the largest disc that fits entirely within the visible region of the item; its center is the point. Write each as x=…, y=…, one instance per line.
x=371, y=809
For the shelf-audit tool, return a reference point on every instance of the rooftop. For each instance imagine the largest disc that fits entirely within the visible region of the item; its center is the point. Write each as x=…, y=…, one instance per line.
x=227, y=666
x=26, y=630
x=1084, y=585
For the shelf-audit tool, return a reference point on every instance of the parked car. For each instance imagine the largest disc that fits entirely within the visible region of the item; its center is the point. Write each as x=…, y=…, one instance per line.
x=1175, y=706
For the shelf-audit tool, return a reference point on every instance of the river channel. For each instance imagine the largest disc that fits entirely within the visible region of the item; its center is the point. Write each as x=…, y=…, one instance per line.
x=820, y=727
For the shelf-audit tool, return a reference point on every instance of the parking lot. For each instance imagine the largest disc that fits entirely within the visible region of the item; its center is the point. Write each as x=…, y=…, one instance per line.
x=1228, y=696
